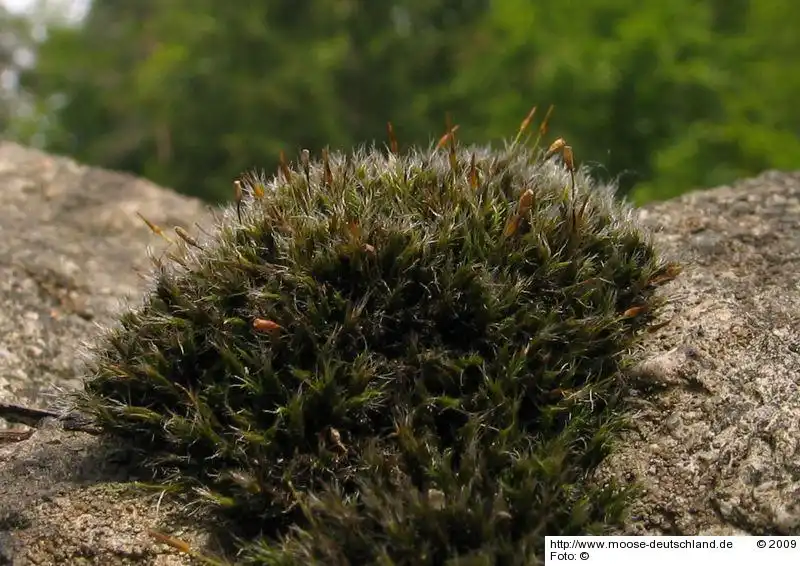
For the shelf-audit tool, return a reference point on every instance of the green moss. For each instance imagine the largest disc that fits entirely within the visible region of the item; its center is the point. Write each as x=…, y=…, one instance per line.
x=384, y=365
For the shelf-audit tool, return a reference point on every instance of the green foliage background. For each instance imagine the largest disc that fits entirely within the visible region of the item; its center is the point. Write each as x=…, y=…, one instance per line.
x=666, y=96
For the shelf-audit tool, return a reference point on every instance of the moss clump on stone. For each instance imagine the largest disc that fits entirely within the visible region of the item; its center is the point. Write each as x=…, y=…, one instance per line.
x=387, y=358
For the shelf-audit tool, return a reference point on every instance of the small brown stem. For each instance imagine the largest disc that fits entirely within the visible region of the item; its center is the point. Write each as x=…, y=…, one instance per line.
x=9, y=436
x=24, y=415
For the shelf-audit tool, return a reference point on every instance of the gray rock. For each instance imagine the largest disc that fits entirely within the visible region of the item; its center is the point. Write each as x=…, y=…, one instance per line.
x=714, y=444
x=717, y=449
x=70, y=245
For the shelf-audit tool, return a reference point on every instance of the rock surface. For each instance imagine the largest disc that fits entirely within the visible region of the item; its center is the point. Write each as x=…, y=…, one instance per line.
x=717, y=449
x=715, y=446
x=70, y=245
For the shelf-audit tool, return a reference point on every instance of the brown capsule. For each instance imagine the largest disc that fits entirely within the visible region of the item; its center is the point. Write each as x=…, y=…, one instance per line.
x=525, y=125
x=524, y=205
x=555, y=147
x=392, y=139
x=263, y=325
x=451, y=155
x=569, y=158
x=184, y=235
x=634, y=311
x=447, y=137
x=512, y=226
x=473, y=173
x=527, y=121
x=570, y=163
x=525, y=202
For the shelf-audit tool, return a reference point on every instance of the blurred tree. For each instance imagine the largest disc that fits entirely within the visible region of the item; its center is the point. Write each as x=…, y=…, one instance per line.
x=626, y=76
x=190, y=93
x=757, y=122
x=664, y=96
x=15, y=37
x=668, y=96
